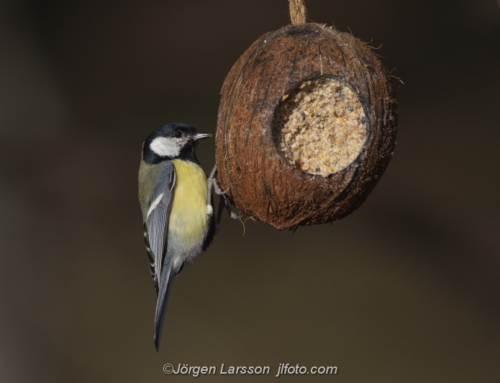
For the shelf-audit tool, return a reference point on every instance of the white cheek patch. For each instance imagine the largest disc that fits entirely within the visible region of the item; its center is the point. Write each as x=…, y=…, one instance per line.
x=165, y=147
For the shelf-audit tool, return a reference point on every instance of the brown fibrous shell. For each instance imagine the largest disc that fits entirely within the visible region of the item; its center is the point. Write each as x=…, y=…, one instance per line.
x=312, y=165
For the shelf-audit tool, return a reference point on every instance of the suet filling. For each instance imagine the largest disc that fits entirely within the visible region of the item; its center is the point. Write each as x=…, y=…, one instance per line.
x=320, y=127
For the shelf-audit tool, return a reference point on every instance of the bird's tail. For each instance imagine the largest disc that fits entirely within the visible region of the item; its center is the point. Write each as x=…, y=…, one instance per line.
x=166, y=279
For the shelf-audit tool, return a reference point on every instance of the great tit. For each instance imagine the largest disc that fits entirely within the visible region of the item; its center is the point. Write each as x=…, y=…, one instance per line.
x=176, y=205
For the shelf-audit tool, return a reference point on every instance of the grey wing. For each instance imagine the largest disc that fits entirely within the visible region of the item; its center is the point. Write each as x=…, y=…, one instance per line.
x=157, y=218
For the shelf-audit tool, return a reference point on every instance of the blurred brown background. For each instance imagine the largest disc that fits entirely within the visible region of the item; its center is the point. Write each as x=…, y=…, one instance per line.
x=407, y=289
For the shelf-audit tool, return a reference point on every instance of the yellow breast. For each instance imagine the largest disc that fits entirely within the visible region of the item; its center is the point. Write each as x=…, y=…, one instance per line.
x=188, y=218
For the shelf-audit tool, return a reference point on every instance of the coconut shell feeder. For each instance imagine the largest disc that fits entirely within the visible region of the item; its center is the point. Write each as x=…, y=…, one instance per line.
x=306, y=125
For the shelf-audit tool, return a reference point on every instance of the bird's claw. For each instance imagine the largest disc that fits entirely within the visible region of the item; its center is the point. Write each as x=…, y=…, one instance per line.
x=218, y=190
x=234, y=215
x=212, y=185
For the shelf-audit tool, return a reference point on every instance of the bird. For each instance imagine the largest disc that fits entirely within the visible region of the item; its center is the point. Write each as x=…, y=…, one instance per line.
x=176, y=205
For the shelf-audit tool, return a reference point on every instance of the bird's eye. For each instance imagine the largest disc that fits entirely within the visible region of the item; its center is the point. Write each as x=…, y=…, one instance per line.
x=178, y=134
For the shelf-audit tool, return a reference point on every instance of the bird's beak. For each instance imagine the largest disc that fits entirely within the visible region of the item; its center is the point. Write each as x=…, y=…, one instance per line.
x=200, y=135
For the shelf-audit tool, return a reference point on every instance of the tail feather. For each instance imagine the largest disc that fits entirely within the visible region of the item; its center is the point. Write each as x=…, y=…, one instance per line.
x=166, y=279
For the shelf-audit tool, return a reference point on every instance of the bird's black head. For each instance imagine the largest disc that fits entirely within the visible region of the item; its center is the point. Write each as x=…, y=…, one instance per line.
x=172, y=141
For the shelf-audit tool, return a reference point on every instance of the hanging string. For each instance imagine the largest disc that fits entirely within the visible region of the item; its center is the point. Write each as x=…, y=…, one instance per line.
x=297, y=11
